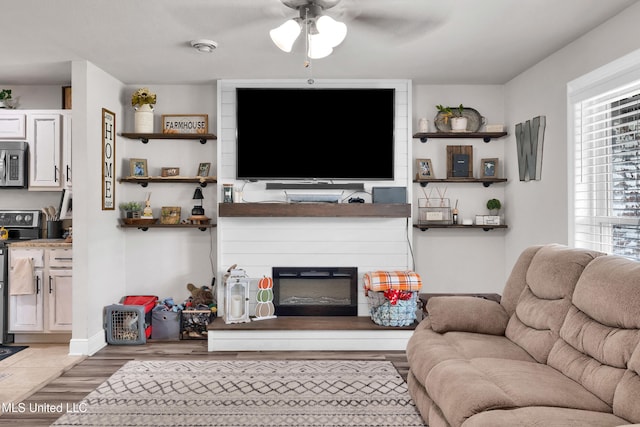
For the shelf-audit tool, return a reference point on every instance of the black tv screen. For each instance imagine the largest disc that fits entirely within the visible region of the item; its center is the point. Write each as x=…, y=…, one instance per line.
x=319, y=134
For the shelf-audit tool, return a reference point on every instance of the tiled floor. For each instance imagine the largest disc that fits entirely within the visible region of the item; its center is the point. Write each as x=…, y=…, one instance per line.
x=23, y=373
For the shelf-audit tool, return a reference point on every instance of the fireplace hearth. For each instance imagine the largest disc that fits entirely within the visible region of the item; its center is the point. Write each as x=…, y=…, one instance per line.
x=315, y=291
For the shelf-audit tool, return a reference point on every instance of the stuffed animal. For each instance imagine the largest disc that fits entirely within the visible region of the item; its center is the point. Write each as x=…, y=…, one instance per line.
x=200, y=296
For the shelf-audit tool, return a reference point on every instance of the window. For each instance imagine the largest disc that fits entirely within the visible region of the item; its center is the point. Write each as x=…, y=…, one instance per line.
x=606, y=184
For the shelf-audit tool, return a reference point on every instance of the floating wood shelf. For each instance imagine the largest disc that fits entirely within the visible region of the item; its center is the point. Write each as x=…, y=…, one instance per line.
x=145, y=137
x=424, y=227
x=357, y=210
x=486, y=136
x=145, y=227
x=485, y=181
x=144, y=181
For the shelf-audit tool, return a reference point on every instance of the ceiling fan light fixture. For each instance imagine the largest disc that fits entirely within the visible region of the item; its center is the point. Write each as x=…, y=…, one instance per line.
x=204, y=45
x=286, y=34
x=334, y=32
x=319, y=47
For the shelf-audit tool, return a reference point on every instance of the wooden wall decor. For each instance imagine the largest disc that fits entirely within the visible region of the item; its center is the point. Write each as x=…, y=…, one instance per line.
x=453, y=153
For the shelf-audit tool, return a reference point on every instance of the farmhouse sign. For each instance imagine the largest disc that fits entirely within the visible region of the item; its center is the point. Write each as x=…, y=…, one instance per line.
x=183, y=123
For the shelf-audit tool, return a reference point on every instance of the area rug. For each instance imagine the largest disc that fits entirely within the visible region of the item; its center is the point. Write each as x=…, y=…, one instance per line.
x=8, y=350
x=249, y=394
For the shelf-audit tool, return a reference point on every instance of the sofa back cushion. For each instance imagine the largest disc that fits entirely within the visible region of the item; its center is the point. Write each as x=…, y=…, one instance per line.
x=545, y=299
x=599, y=339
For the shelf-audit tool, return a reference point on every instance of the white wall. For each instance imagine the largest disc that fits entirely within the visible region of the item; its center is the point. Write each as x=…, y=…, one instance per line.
x=459, y=260
x=162, y=262
x=538, y=210
x=36, y=97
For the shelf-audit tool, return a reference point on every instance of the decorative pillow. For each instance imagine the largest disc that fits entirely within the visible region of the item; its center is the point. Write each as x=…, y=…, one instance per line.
x=466, y=314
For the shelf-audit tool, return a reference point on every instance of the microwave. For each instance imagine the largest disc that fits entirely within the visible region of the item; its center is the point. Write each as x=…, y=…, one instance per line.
x=13, y=164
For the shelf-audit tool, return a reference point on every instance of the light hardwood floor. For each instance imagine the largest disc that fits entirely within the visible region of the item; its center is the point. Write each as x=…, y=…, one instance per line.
x=40, y=409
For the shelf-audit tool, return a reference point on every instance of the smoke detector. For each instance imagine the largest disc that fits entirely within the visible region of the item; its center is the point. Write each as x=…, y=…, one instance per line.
x=204, y=45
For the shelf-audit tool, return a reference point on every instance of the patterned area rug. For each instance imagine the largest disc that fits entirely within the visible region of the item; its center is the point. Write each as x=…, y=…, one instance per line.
x=248, y=394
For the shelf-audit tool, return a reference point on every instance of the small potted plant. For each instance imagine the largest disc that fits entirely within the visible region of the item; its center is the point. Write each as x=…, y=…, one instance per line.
x=456, y=114
x=494, y=206
x=131, y=209
x=5, y=98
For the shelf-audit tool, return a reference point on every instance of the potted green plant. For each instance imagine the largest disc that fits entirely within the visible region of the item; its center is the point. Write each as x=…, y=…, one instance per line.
x=5, y=98
x=494, y=206
x=456, y=114
x=131, y=209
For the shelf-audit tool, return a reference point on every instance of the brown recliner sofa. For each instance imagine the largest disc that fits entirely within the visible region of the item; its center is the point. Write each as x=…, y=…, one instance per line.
x=560, y=349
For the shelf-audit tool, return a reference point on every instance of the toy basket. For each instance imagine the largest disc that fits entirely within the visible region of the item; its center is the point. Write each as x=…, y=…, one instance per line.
x=385, y=313
x=194, y=324
x=125, y=324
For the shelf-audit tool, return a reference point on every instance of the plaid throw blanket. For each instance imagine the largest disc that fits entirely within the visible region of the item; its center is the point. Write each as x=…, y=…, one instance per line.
x=387, y=280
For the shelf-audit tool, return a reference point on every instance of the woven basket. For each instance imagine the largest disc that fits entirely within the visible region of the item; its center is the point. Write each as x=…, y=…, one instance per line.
x=383, y=313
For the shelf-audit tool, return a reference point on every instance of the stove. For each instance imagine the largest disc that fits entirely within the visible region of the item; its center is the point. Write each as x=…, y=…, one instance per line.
x=21, y=225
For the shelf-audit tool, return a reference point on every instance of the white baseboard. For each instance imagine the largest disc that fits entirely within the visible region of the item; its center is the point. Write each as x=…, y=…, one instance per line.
x=329, y=340
x=88, y=346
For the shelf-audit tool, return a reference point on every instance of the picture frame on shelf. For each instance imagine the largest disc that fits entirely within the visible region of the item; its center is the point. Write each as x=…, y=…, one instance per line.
x=489, y=168
x=185, y=123
x=203, y=169
x=138, y=168
x=425, y=169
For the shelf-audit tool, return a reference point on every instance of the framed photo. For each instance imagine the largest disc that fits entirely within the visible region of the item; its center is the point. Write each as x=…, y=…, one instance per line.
x=185, y=123
x=138, y=167
x=108, y=160
x=203, y=169
x=425, y=169
x=489, y=168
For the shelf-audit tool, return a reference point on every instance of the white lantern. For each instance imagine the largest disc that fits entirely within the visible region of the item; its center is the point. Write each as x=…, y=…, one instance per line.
x=236, y=305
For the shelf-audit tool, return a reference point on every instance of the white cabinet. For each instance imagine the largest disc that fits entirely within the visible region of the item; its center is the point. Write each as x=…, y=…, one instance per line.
x=44, y=134
x=26, y=311
x=12, y=126
x=50, y=308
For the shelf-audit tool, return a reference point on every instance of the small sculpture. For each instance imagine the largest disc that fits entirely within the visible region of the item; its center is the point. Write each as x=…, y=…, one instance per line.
x=147, y=212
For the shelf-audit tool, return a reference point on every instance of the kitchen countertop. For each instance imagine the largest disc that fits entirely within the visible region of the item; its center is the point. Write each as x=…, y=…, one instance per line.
x=42, y=243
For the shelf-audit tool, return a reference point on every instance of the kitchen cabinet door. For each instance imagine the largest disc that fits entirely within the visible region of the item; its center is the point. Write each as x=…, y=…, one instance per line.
x=44, y=134
x=26, y=311
x=59, y=299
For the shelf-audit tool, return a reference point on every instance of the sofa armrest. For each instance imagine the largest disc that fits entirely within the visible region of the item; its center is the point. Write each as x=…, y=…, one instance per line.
x=466, y=314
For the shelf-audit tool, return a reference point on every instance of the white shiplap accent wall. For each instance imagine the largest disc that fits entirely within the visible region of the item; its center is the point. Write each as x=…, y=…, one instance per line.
x=258, y=244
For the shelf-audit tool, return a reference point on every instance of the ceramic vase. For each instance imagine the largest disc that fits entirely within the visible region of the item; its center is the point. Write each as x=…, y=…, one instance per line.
x=143, y=119
x=458, y=124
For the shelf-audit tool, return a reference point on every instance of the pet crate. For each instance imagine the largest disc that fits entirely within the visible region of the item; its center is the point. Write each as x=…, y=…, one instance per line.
x=125, y=324
x=194, y=324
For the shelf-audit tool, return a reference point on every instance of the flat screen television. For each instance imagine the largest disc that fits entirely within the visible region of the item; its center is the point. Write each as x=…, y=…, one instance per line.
x=315, y=134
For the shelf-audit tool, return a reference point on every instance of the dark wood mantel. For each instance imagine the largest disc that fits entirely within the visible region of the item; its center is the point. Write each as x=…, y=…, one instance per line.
x=357, y=210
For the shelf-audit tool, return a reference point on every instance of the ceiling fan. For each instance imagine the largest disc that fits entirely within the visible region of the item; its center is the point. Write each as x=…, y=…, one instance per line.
x=323, y=32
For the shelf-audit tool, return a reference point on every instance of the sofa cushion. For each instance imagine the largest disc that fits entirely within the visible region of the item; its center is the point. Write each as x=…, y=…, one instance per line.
x=601, y=334
x=517, y=279
x=463, y=388
x=543, y=303
x=461, y=313
x=543, y=416
x=427, y=348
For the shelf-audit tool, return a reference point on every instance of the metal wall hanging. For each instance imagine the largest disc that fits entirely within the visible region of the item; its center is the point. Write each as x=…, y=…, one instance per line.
x=529, y=143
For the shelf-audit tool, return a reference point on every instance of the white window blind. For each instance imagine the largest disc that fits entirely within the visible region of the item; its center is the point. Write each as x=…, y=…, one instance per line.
x=607, y=172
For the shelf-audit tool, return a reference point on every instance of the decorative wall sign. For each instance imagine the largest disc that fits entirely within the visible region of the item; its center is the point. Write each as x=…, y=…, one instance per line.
x=529, y=143
x=459, y=161
x=185, y=123
x=108, y=160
